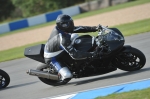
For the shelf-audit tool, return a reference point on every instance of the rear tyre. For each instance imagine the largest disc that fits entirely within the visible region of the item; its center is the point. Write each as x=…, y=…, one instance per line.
x=4, y=79
x=44, y=67
x=130, y=61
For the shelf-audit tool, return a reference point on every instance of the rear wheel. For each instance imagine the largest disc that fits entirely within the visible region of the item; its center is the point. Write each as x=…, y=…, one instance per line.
x=130, y=61
x=44, y=67
x=4, y=79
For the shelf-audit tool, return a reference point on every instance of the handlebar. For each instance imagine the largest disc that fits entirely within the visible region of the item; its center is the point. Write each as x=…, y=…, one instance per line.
x=102, y=29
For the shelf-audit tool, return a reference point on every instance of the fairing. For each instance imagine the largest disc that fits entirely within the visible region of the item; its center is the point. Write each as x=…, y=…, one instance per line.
x=112, y=39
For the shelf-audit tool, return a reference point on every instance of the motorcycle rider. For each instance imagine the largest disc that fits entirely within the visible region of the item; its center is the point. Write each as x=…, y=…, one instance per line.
x=60, y=41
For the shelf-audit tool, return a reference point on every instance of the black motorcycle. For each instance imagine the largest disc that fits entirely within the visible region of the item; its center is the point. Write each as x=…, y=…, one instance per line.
x=109, y=43
x=4, y=79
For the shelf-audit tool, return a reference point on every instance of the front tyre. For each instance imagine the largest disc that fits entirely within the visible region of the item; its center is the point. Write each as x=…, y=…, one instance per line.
x=130, y=61
x=46, y=68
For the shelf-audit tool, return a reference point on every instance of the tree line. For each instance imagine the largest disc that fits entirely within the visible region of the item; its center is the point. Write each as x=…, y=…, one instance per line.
x=12, y=9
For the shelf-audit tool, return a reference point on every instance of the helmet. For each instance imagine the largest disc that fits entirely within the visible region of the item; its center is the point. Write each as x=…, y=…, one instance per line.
x=65, y=23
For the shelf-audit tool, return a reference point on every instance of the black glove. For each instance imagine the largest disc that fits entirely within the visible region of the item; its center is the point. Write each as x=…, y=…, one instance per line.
x=98, y=27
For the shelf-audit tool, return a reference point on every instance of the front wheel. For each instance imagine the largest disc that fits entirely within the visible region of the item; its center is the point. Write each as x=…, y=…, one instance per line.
x=130, y=61
x=46, y=68
x=4, y=79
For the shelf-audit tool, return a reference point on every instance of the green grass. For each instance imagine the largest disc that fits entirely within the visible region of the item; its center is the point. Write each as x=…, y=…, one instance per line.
x=15, y=53
x=127, y=29
x=135, y=27
x=91, y=13
x=136, y=94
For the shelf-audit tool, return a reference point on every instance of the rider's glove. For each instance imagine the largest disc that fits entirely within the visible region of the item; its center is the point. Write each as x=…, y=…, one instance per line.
x=98, y=27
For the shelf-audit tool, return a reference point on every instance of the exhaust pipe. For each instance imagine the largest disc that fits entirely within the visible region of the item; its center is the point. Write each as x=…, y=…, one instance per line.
x=42, y=74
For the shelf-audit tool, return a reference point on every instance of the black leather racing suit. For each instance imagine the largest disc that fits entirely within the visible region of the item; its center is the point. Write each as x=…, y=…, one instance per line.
x=59, y=42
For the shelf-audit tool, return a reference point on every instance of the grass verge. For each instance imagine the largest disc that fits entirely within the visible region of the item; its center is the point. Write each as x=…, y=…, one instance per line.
x=91, y=13
x=127, y=29
x=15, y=53
x=136, y=94
x=135, y=27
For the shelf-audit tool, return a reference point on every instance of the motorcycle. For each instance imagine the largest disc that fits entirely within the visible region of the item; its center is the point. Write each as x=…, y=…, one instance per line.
x=4, y=79
x=114, y=54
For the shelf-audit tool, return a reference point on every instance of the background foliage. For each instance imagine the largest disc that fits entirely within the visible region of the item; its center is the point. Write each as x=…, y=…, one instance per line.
x=6, y=8
x=26, y=8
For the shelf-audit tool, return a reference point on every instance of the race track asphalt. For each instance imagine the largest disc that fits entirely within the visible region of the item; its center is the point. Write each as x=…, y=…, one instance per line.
x=23, y=86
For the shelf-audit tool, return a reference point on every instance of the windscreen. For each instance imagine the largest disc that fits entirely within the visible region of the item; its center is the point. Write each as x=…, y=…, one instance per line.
x=113, y=36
